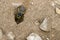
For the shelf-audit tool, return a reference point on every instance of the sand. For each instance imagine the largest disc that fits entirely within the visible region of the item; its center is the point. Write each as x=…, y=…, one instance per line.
x=38, y=10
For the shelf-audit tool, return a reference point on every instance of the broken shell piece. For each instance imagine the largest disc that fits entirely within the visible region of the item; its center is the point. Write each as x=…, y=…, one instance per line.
x=56, y=3
x=16, y=4
x=34, y=36
x=57, y=10
x=44, y=25
x=11, y=36
x=1, y=34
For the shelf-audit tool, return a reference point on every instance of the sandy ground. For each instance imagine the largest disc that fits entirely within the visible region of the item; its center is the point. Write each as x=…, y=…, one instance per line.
x=39, y=10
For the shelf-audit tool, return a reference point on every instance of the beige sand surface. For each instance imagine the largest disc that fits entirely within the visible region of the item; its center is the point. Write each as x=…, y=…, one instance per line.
x=39, y=10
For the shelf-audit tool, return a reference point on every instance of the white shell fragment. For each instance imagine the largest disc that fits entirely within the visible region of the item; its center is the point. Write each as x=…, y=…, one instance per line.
x=47, y=38
x=44, y=25
x=34, y=36
x=57, y=10
x=11, y=36
x=1, y=34
x=56, y=5
x=16, y=4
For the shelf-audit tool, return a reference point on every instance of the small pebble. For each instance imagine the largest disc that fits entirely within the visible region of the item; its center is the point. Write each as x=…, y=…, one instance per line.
x=57, y=10
x=53, y=4
x=37, y=22
x=10, y=36
x=34, y=36
x=31, y=3
x=47, y=38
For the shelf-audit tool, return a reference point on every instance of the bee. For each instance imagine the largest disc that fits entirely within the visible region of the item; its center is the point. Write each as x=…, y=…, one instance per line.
x=19, y=16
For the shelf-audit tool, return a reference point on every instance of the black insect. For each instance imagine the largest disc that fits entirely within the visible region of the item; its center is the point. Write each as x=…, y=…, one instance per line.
x=19, y=16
